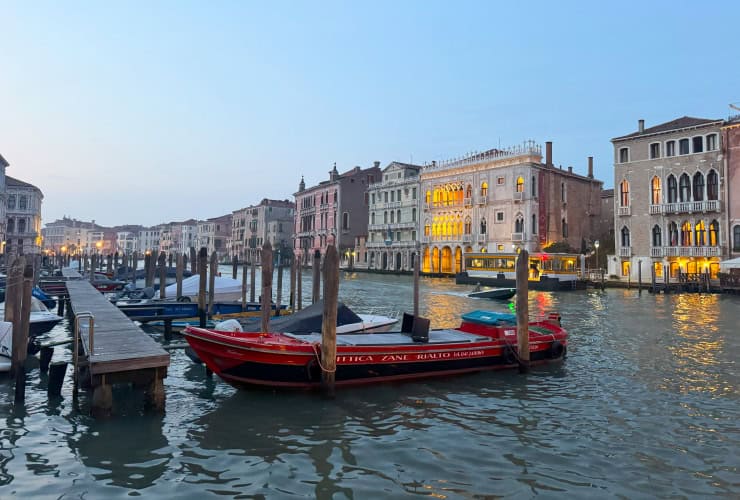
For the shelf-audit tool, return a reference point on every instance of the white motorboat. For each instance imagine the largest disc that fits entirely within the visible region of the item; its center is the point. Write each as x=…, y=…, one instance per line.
x=41, y=321
x=6, y=346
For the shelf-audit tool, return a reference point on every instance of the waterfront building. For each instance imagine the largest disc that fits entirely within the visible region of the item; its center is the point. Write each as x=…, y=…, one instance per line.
x=213, y=235
x=68, y=236
x=268, y=221
x=393, y=222
x=3, y=203
x=670, y=204
x=334, y=211
x=177, y=237
x=503, y=200
x=23, y=213
x=731, y=150
x=127, y=242
x=148, y=240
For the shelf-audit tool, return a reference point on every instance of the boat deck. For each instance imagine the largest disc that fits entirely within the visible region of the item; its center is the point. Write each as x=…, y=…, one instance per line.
x=395, y=338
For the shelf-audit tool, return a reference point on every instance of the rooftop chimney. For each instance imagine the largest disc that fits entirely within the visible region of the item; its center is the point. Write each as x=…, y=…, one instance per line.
x=570, y=170
x=434, y=163
x=376, y=164
x=641, y=126
x=590, y=167
x=548, y=153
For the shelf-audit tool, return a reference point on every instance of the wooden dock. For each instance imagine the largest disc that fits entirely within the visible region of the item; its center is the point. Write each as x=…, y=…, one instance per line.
x=114, y=350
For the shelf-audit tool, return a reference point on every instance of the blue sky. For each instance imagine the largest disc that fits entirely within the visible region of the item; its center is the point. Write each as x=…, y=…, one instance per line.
x=146, y=112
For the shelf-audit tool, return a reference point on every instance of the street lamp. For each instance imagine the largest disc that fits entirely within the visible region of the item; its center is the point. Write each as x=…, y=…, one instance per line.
x=596, y=246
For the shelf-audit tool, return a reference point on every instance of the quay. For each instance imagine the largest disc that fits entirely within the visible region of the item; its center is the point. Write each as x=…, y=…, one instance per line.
x=112, y=349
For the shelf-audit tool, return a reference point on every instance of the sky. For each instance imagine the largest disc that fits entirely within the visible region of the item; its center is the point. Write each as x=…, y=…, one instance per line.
x=149, y=112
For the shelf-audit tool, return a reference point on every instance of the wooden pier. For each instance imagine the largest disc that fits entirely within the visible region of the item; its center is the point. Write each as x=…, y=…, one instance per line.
x=114, y=349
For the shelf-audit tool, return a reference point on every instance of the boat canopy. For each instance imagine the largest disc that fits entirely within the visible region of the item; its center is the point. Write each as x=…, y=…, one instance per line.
x=303, y=322
x=191, y=286
x=726, y=265
x=490, y=318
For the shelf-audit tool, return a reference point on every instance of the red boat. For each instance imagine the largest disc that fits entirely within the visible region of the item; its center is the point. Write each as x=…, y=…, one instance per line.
x=484, y=341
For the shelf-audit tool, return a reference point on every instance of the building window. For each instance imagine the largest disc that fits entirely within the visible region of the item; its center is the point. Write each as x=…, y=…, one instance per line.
x=624, y=155
x=711, y=142
x=625, y=268
x=21, y=226
x=712, y=185
x=698, y=187
x=484, y=190
x=534, y=223
x=427, y=229
x=500, y=181
x=413, y=235
x=714, y=234
x=625, y=237
x=683, y=147
x=373, y=198
x=565, y=228
x=519, y=224
x=11, y=202
x=672, y=189
x=23, y=202
x=372, y=218
x=655, y=184
x=562, y=192
x=534, y=186
x=520, y=184
x=736, y=238
x=686, y=234
x=11, y=225
x=499, y=217
x=385, y=217
x=684, y=188
x=398, y=216
x=624, y=193
x=698, y=144
x=392, y=216
x=428, y=197
x=468, y=228
x=673, y=234
x=657, y=239
x=413, y=193
x=670, y=148
x=483, y=226
x=413, y=214
x=655, y=150
x=700, y=234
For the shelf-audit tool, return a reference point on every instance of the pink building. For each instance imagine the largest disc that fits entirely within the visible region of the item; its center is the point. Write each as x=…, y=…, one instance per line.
x=333, y=211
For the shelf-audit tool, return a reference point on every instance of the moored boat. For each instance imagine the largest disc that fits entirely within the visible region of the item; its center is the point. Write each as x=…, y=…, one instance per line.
x=493, y=293
x=41, y=319
x=484, y=341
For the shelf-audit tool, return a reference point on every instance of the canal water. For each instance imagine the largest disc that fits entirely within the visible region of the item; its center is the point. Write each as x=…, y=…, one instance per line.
x=646, y=405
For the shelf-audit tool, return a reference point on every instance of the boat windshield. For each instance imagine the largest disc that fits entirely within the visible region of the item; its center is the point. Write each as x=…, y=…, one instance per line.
x=37, y=305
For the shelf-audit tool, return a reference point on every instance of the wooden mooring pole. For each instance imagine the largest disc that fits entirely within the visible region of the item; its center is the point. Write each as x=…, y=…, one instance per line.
x=252, y=278
x=522, y=309
x=329, y=321
x=416, y=282
x=202, y=272
x=193, y=261
x=234, y=266
x=212, y=283
x=291, y=300
x=13, y=301
x=299, y=285
x=316, y=285
x=639, y=277
x=245, y=269
x=178, y=275
x=20, y=371
x=266, y=297
x=279, y=291
x=162, y=275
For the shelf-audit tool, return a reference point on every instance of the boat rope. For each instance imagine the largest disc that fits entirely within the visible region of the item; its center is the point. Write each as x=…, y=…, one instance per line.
x=316, y=346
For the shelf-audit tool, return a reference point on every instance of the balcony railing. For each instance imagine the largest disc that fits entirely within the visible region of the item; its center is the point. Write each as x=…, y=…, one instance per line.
x=468, y=202
x=623, y=211
x=656, y=209
x=482, y=199
x=625, y=252
x=691, y=207
x=518, y=195
x=482, y=238
x=657, y=251
x=696, y=251
x=517, y=236
x=467, y=238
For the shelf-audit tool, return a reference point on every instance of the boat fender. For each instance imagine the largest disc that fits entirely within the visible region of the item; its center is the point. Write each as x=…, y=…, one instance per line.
x=509, y=354
x=183, y=299
x=557, y=349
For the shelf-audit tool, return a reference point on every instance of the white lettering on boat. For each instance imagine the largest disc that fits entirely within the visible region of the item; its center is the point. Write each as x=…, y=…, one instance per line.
x=419, y=356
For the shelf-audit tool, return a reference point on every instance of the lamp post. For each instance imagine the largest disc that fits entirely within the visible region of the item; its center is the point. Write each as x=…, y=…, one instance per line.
x=596, y=246
x=98, y=246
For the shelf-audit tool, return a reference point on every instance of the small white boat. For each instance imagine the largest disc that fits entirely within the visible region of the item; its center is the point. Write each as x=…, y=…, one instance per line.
x=42, y=320
x=225, y=289
x=6, y=346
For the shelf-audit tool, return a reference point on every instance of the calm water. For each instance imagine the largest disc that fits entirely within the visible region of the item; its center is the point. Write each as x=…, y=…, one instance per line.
x=646, y=405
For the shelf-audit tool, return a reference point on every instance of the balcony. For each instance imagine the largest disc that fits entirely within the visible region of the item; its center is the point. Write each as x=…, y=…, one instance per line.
x=625, y=252
x=482, y=238
x=482, y=199
x=688, y=207
x=518, y=196
x=467, y=238
x=623, y=211
x=392, y=204
x=657, y=252
x=468, y=202
x=657, y=209
x=517, y=236
x=697, y=251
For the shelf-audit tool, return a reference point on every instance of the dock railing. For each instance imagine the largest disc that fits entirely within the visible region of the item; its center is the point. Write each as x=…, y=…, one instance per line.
x=77, y=341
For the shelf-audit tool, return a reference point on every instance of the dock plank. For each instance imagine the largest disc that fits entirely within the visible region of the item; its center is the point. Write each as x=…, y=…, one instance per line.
x=118, y=344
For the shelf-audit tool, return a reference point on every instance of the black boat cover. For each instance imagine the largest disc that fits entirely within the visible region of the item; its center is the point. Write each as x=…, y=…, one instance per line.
x=303, y=322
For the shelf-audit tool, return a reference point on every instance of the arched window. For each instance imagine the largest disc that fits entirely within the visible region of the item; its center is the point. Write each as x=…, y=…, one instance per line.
x=686, y=234
x=534, y=223
x=698, y=186
x=700, y=234
x=673, y=234
x=385, y=217
x=624, y=193
x=565, y=228
x=345, y=220
x=684, y=188
x=655, y=184
x=520, y=184
x=484, y=189
x=714, y=233
x=483, y=225
x=625, y=237
x=398, y=216
x=428, y=197
x=736, y=238
x=427, y=228
x=672, y=189
x=657, y=239
x=372, y=218
x=712, y=186
x=21, y=226
x=468, y=225
x=519, y=223
x=469, y=191
x=413, y=214
x=562, y=192
x=11, y=225
x=534, y=186
x=392, y=216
